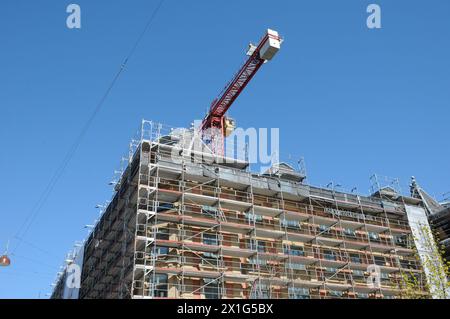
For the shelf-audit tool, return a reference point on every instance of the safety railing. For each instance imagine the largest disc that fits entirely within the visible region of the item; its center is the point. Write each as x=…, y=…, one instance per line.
x=187, y=187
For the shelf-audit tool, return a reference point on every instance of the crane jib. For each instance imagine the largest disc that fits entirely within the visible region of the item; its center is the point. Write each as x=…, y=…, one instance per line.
x=265, y=50
x=236, y=86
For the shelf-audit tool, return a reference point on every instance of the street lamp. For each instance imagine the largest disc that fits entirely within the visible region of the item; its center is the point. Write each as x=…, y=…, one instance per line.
x=4, y=260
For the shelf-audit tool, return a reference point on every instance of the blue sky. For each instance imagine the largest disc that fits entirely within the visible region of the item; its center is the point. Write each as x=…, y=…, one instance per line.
x=352, y=101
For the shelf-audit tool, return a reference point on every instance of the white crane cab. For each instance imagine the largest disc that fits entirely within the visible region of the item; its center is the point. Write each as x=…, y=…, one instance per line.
x=271, y=46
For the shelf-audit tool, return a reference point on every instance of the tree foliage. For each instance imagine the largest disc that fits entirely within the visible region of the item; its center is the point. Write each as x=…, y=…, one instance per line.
x=436, y=270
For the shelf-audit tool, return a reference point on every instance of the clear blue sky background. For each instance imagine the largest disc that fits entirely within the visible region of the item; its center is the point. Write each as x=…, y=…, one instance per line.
x=353, y=101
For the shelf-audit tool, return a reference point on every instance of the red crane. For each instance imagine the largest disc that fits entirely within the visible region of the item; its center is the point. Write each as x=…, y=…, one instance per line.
x=216, y=126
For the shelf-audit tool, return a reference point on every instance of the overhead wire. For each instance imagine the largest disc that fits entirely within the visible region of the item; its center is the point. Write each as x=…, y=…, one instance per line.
x=29, y=220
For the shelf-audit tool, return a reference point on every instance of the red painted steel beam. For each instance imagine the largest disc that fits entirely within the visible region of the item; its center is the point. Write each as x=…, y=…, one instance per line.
x=221, y=104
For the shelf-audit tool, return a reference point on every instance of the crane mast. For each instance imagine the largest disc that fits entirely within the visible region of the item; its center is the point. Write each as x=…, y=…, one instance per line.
x=216, y=126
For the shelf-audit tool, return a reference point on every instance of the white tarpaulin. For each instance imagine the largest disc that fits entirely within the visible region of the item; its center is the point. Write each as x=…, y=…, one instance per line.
x=73, y=275
x=427, y=249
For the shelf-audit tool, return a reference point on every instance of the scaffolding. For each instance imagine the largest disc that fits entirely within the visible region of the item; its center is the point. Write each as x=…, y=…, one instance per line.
x=189, y=224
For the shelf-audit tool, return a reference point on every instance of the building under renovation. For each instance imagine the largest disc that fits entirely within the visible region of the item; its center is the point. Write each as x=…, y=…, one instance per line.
x=211, y=228
x=187, y=220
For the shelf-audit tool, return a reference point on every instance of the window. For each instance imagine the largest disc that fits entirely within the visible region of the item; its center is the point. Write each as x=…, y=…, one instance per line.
x=164, y=206
x=161, y=286
x=291, y=224
x=298, y=293
x=162, y=250
x=260, y=291
x=253, y=217
x=296, y=266
x=209, y=211
x=210, y=259
x=379, y=260
x=209, y=239
x=384, y=275
x=355, y=258
x=211, y=289
x=324, y=229
x=335, y=293
x=260, y=246
x=294, y=250
x=330, y=270
x=374, y=236
x=349, y=232
x=358, y=273
x=401, y=240
x=245, y=267
x=329, y=255
x=162, y=233
x=257, y=261
x=407, y=264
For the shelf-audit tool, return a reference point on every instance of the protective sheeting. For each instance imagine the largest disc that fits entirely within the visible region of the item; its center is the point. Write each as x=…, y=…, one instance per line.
x=427, y=250
x=431, y=204
x=69, y=279
x=234, y=176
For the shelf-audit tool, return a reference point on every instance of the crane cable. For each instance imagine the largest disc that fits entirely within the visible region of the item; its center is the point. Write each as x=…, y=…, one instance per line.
x=58, y=173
